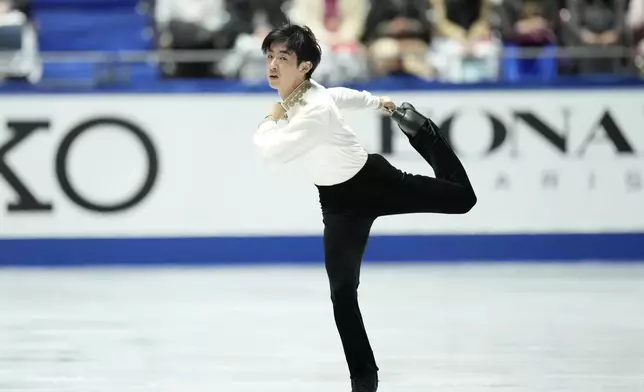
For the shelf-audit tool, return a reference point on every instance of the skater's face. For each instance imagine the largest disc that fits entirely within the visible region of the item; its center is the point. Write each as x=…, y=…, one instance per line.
x=282, y=68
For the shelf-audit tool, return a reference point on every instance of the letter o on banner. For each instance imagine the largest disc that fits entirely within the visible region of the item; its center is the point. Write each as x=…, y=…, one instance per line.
x=63, y=177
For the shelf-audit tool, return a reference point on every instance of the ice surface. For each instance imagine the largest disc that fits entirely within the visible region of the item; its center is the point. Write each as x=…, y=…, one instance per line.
x=548, y=327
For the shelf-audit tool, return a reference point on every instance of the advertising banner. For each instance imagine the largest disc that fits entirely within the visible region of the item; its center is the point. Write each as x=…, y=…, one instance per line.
x=133, y=166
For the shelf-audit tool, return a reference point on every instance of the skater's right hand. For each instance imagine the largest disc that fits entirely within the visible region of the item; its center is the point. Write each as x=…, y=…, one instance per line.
x=277, y=112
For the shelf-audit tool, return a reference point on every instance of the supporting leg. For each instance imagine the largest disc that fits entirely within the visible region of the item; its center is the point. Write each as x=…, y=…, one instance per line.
x=345, y=239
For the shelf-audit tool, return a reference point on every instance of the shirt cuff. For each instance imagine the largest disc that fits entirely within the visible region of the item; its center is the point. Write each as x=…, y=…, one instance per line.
x=374, y=101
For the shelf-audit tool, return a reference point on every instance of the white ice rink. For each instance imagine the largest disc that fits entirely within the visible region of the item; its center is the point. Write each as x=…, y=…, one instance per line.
x=460, y=328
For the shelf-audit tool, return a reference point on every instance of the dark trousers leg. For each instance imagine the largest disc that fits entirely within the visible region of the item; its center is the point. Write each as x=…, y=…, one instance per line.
x=450, y=192
x=345, y=239
x=384, y=190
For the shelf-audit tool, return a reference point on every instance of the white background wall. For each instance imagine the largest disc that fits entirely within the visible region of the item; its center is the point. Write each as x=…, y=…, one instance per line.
x=212, y=182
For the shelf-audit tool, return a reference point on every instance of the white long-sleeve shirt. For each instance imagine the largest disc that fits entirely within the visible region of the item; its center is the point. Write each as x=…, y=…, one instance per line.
x=316, y=133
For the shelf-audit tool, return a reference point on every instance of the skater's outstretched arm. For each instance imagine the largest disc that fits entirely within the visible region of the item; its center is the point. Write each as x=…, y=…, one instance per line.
x=350, y=99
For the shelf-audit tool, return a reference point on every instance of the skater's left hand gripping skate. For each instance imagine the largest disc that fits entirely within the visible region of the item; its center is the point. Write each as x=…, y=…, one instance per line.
x=388, y=105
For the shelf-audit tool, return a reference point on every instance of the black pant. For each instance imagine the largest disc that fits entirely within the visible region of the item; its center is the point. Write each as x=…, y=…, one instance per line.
x=349, y=210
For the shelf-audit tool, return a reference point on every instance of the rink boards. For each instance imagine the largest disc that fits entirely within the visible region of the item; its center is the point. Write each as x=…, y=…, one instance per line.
x=139, y=178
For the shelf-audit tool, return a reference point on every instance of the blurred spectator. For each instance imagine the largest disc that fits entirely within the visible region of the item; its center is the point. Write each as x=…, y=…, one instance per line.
x=397, y=35
x=23, y=6
x=338, y=25
x=598, y=26
x=257, y=18
x=463, y=47
x=529, y=23
x=635, y=22
x=529, y=33
x=198, y=25
x=262, y=16
x=19, y=54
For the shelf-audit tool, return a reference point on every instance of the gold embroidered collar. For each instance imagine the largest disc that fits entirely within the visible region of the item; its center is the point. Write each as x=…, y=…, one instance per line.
x=297, y=96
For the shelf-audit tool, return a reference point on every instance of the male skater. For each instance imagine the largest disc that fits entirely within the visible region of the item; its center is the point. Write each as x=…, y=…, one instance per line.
x=354, y=187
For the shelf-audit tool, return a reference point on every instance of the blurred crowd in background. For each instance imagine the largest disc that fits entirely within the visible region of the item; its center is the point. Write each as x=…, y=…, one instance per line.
x=439, y=40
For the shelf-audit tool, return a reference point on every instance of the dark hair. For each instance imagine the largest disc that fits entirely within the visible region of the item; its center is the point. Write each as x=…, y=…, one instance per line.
x=299, y=40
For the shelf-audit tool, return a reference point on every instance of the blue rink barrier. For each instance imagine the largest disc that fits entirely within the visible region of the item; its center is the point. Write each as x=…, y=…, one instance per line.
x=619, y=247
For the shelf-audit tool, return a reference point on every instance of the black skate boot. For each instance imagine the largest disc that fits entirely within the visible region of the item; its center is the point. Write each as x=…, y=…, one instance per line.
x=366, y=383
x=412, y=123
x=426, y=138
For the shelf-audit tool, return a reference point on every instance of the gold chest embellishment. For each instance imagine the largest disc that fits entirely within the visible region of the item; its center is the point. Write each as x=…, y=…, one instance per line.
x=297, y=96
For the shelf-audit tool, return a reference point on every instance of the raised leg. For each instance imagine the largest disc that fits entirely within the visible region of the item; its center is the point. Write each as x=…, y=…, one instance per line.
x=450, y=192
